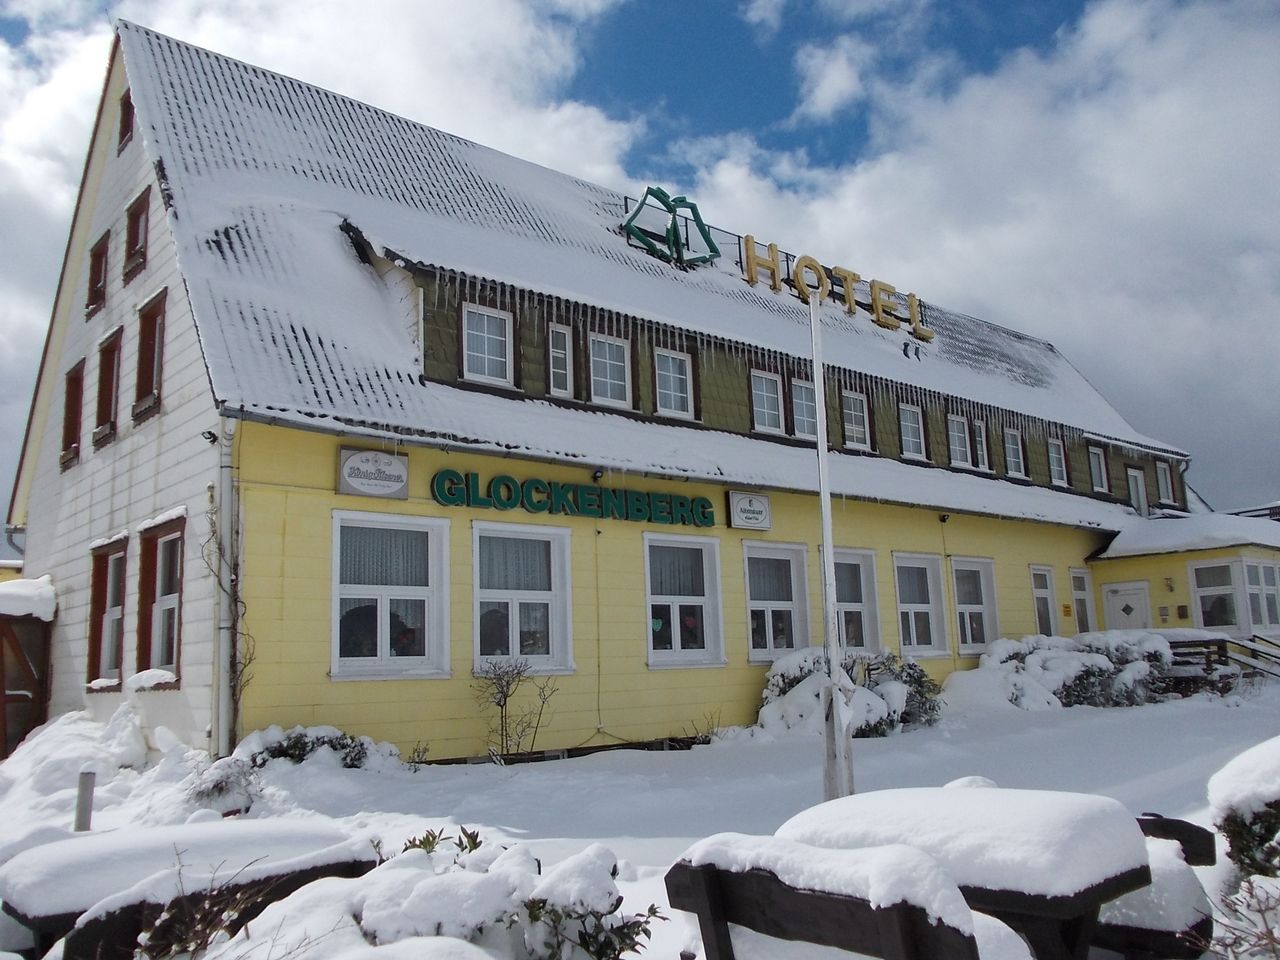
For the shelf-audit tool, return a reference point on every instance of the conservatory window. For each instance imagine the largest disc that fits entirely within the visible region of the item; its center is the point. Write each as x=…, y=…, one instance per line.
x=804, y=409
x=958, y=441
x=920, y=613
x=160, y=600
x=857, y=427
x=487, y=348
x=682, y=588
x=610, y=370
x=1164, y=482
x=1015, y=465
x=1137, y=478
x=560, y=359
x=975, y=601
x=911, y=431
x=766, y=401
x=1043, y=598
x=775, y=599
x=674, y=381
x=980, y=458
x=1262, y=581
x=522, y=594
x=1082, y=598
x=106, y=615
x=1214, y=594
x=390, y=597
x=1058, y=463
x=856, y=600
x=1098, y=470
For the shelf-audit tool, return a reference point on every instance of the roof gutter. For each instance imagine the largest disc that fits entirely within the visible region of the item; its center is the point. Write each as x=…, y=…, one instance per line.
x=227, y=704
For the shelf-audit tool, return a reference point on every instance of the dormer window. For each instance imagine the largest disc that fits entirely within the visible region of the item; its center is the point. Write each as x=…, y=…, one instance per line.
x=1098, y=470
x=1015, y=464
x=560, y=360
x=766, y=402
x=126, y=122
x=135, y=235
x=857, y=428
x=1058, y=464
x=981, y=460
x=97, y=292
x=911, y=431
x=673, y=376
x=958, y=441
x=1164, y=482
x=804, y=409
x=610, y=370
x=487, y=337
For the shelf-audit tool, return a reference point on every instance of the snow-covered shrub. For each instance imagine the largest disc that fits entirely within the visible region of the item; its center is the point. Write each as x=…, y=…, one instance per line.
x=922, y=704
x=228, y=785
x=301, y=742
x=1244, y=798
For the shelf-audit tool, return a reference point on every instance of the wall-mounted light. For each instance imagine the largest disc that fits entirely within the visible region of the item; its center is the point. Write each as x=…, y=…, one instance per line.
x=210, y=436
x=596, y=475
x=944, y=517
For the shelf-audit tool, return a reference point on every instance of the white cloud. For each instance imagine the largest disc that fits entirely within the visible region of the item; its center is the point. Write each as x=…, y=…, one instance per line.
x=766, y=15
x=830, y=77
x=1116, y=196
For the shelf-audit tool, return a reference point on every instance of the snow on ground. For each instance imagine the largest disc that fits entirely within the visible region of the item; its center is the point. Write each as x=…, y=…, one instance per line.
x=648, y=807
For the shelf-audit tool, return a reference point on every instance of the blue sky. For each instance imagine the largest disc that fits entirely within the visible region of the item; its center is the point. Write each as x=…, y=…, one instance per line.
x=1099, y=174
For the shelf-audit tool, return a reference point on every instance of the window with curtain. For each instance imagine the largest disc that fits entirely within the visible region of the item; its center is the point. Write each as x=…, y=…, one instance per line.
x=776, y=620
x=522, y=594
x=390, y=606
x=975, y=601
x=683, y=598
x=856, y=600
x=919, y=581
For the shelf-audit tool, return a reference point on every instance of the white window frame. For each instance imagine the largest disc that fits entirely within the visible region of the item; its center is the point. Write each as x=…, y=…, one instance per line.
x=868, y=608
x=850, y=401
x=1014, y=435
x=1049, y=593
x=959, y=445
x=555, y=330
x=712, y=655
x=607, y=401
x=385, y=667
x=112, y=632
x=1164, y=483
x=1270, y=594
x=1139, y=474
x=1058, y=475
x=1083, y=600
x=508, y=343
x=987, y=609
x=559, y=598
x=797, y=555
x=1235, y=589
x=981, y=461
x=905, y=410
x=679, y=357
x=166, y=602
x=1098, y=477
x=935, y=608
x=763, y=377
x=798, y=386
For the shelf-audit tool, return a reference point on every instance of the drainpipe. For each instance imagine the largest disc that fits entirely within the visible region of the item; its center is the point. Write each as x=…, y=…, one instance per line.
x=228, y=588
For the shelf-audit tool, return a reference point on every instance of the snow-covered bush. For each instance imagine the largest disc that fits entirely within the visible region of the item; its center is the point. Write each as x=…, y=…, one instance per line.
x=1244, y=798
x=922, y=704
x=228, y=785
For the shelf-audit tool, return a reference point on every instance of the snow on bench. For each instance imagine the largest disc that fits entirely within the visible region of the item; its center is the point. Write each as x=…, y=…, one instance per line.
x=1166, y=919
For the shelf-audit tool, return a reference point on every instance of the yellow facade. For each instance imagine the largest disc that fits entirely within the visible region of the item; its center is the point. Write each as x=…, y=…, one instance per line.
x=287, y=482
x=10, y=573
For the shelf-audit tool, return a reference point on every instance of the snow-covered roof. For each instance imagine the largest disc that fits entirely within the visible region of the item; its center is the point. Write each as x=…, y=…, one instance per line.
x=1202, y=531
x=263, y=175
x=28, y=598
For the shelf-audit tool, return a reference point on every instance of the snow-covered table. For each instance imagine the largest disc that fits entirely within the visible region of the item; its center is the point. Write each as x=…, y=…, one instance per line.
x=1041, y=861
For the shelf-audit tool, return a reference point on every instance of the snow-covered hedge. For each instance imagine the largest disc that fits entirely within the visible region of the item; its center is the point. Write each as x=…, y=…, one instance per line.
x=1244, y=798
x=1113, y=668
x=879, y=694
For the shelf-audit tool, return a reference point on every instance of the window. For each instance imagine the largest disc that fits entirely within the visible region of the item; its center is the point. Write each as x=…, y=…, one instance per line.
x=1058, y=463
x=97, y=294
x=160, y=597
x=673, y=373
x=135, y=235
x=682, y=587
x=1271, y=595
x=104, y=423
x=522, y=594
x=1043, y=598
x=1082, y=598
x=975, y=601
x=487, y=347
x=958, y=441
x=560, y=358
x=610, y=370
x=1098, y=470
x=766, y=401
x=72, y=401
x=980, y=457
x=106, y=613
x=1213, y=593
x=856, y=600
x=390, y=597
x=125, y=133
x=146, y=391
x=1164, y=482
x=857, y=426
x=1014, y=463
x=1137, y=478
x=804, y=409
x=920, y=616
x=911, y=431
x=776, y=607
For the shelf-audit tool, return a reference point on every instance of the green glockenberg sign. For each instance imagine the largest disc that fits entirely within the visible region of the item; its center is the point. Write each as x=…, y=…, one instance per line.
x=455, y=489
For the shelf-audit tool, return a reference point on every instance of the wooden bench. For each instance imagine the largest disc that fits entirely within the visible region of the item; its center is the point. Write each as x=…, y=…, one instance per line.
x=1202, y=663
x=758, y=900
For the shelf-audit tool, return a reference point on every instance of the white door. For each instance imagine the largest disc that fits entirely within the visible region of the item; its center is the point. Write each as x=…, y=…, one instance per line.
x=1126, y=606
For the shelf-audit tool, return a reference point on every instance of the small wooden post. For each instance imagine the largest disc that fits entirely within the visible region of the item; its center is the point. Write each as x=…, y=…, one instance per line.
x=84, y=800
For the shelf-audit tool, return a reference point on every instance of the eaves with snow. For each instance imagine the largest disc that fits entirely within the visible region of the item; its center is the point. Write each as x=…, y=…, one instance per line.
x=1205, y=531
x=267, y=178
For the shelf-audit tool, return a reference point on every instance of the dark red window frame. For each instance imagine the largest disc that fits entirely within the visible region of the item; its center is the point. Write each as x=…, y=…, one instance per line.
x=135, y=235
x=146, y=391
x=72, y=403
x=126, y=121
x=149, y=601
x=104, y=423
x=102, y=557
x=97, y=292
